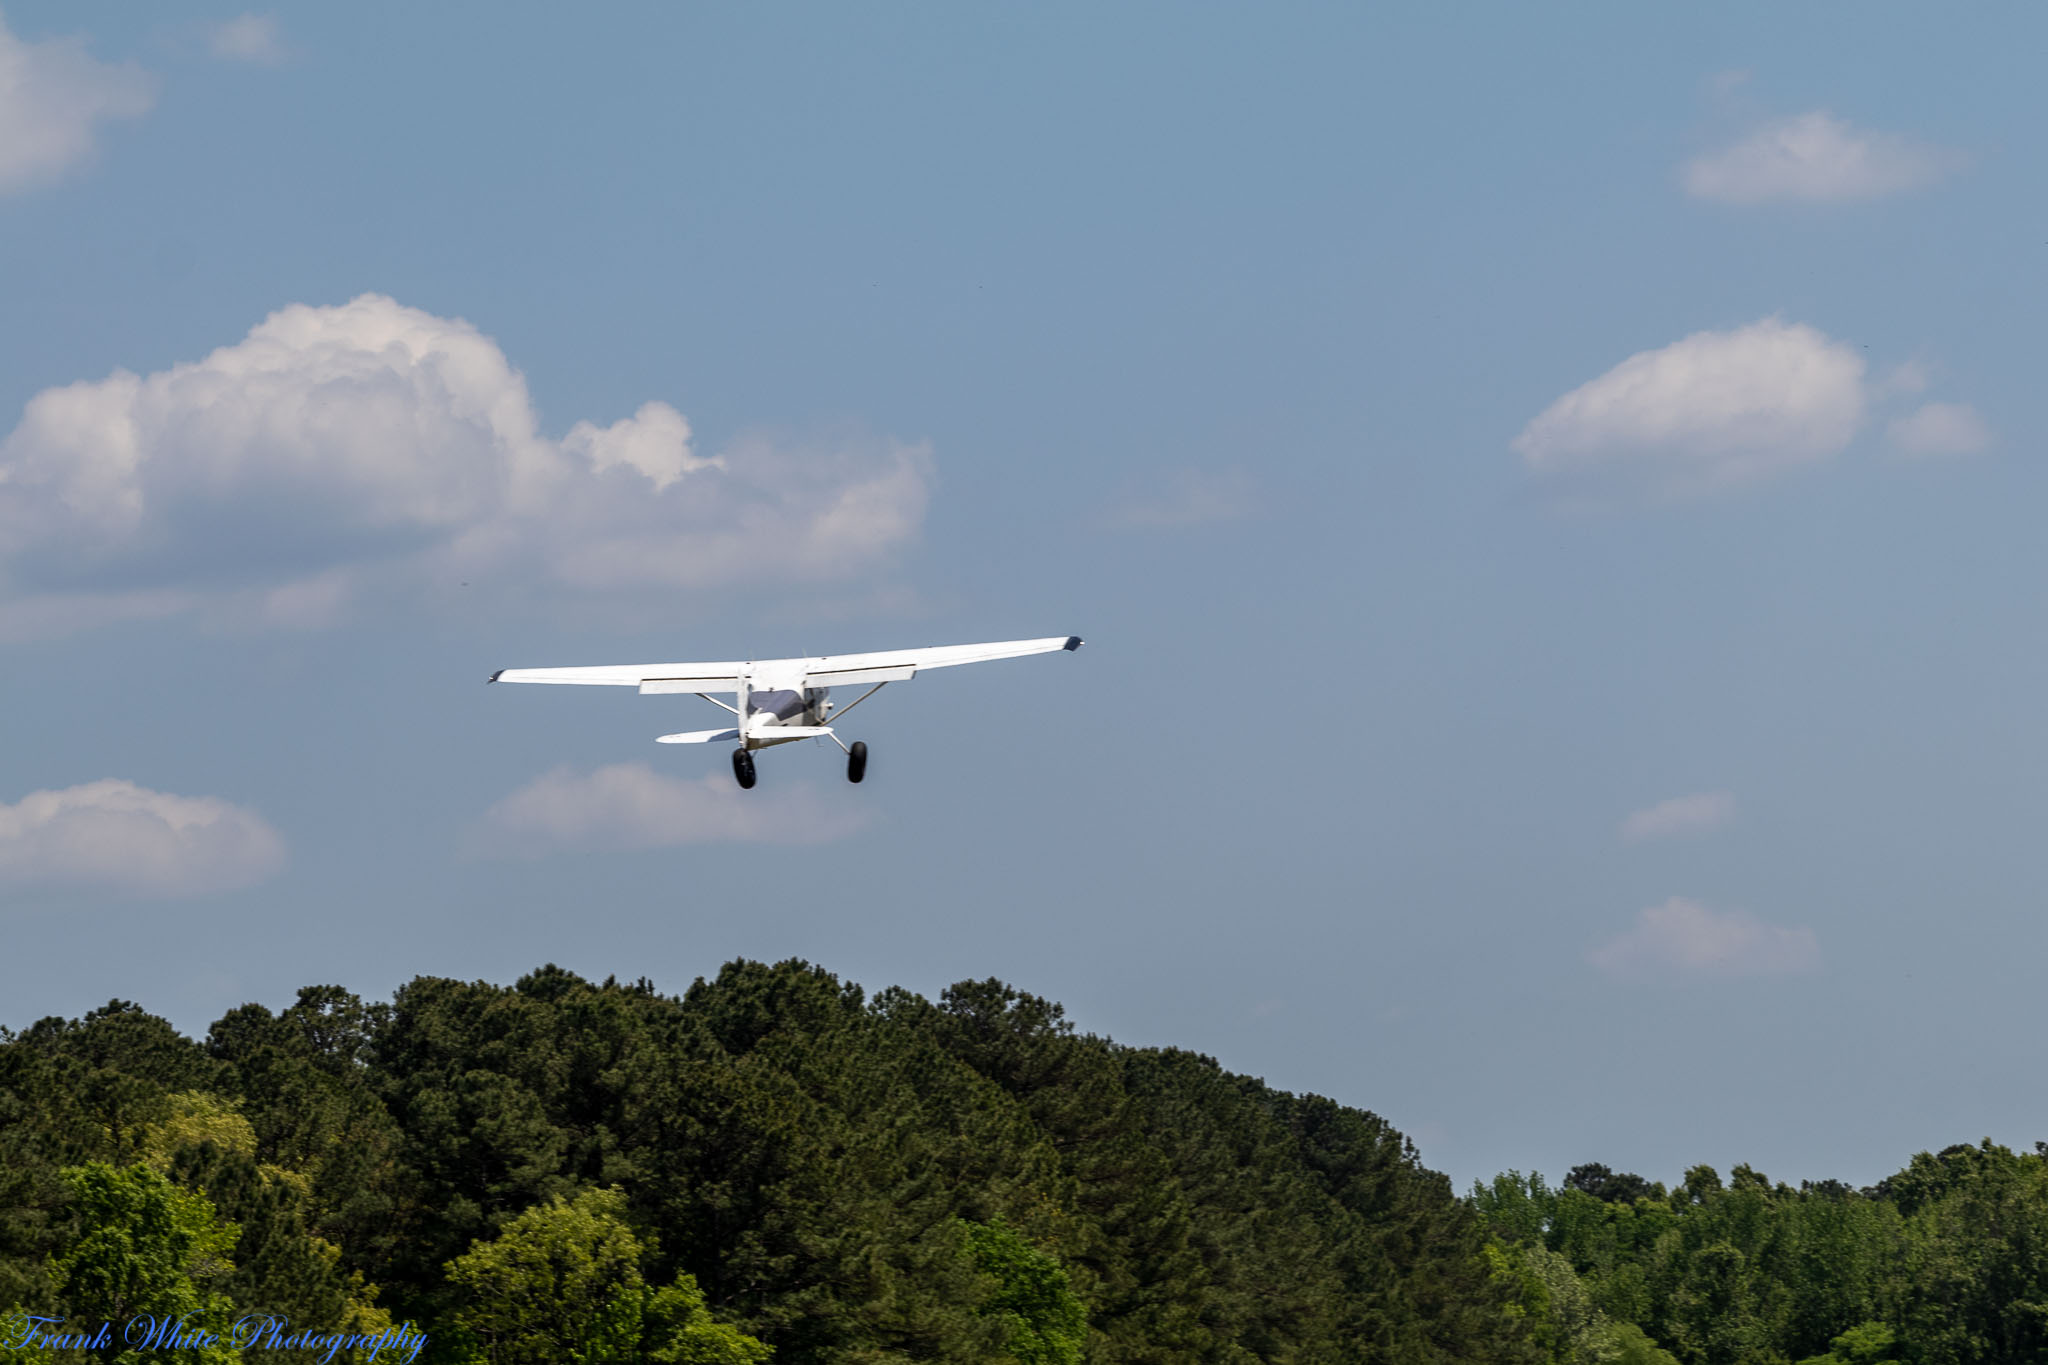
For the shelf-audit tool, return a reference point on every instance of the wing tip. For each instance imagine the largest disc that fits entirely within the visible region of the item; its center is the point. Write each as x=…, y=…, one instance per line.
x=495, y=676
x=1073, y=643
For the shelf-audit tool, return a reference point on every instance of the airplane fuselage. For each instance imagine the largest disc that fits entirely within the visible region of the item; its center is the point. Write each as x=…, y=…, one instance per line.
x=768, y=707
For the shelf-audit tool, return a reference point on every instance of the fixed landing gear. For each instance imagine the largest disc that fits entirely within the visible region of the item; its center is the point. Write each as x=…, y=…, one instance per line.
x=743, y=768
x=857, y=761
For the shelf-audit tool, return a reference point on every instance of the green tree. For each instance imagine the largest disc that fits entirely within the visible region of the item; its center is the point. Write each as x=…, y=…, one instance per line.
x=147, y=1256
x=1628, y=1344
x=562, y=1285
x=1975, y=1284
x=1043, y=1322
x=1566, y=1323
x=1870, y=1343
x=1524, y=1298
x=304, y=1082
x=1515, y=1208
x=1608, y=1187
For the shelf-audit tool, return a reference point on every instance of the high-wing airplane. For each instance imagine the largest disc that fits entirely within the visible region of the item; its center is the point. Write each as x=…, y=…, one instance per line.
x=779, y=701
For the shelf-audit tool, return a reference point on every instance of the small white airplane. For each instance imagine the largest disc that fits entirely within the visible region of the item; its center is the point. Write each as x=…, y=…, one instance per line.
x=780, y=701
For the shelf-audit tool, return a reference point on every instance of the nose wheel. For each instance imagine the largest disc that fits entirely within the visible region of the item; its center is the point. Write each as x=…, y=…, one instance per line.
x=743, y=768
x=857, y=761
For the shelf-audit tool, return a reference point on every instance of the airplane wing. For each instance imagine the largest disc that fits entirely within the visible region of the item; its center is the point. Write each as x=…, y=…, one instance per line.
x=899, y=665
x=892, y=665
x=722, y=677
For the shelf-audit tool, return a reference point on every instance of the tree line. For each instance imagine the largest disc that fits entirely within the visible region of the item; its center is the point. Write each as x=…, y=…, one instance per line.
x=776, y=1166
x=1944, y=1263
x=771, y=1165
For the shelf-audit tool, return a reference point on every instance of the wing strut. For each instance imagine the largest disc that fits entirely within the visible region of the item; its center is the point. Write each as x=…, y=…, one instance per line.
x=839, y=711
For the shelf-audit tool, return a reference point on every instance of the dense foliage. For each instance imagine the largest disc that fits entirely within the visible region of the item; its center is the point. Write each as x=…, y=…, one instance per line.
x=1945, y=1263
x=771, y=1163
x=774, y=1166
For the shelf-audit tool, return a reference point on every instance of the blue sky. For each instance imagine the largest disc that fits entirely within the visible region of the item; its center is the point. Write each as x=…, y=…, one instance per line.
x=1551, y=499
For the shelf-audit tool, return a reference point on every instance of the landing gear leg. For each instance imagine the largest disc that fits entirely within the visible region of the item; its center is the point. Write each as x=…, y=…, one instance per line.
x=857, y=761
x=743, y=768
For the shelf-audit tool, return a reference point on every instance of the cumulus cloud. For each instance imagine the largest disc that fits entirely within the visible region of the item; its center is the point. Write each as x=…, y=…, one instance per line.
x=1683, y=936
x=1939, y=429
x=1694, y=814
x=338, y=451
x=53, y=97
x=114, y=836
x=1186, y=498
x=1712, y=410
x=250, y=38
x=1815, y=157
x=629, y=806
x=1905, y=378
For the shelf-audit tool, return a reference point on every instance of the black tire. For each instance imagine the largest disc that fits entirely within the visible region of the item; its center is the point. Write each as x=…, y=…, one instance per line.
x=857, y=761
x=743, y=768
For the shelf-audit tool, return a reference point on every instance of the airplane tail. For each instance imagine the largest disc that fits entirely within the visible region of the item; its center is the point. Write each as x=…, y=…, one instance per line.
x=763, y=734
x=698, y=737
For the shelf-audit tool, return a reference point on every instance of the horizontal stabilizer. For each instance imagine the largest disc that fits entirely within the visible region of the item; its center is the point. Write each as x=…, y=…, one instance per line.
x=698, y=737
x=791, y=731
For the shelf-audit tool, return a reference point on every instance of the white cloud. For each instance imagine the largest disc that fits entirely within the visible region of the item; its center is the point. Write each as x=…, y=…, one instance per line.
x=1684, y=936
x=53, y=96
x=1189, y=497
x=1905, y=378
x=112, y=835
x=250, y=38
x=629, y=805
x=1712, y=410
x=1694, y=814
x=1725, y=83
x=1939, y=429
x=1815, y=157
x=339, y=451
